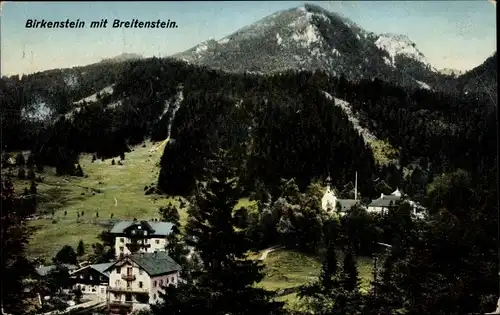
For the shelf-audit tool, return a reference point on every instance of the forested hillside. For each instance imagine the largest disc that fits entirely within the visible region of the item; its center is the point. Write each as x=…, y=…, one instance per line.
x=279, y=126
x=31, y=101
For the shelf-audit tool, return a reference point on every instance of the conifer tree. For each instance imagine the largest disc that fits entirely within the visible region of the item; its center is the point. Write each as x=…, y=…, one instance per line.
x=80, y=249
x=30, y=162
x=20, y=161
x=337, y=289
x=15, y=268
x=223, y=282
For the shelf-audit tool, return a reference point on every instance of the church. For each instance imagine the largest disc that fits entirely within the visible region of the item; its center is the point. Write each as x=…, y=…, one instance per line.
x=330, y=202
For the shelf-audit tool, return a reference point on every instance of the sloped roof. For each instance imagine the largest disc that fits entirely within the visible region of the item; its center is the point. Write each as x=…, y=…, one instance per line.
x=153, y=264
x=391, y=197
x=347, y=204
x=160, y=228
x=44, y=270
x=383, y=202
x=102, y=268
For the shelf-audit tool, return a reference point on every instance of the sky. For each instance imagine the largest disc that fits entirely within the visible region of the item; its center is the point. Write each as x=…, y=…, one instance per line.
x=451, y=34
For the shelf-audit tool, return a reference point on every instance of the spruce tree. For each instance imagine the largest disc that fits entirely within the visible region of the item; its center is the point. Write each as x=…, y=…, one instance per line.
x=30, y=162
x=80, y=249
x=78, y=171
x=21, y=173
x=33, y=187
x=337, y=289
x=224, y=281
x=15, y=268
x=176, y=246
x=20, y=161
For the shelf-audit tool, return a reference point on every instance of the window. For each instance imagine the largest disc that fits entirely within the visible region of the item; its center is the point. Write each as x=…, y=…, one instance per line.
x=157, y=241
x=83, y=288
x=161, y=282
x=140, y=272
x=102, y=278
x=167, y=280
x=145, y=232
x=122, y=240
x=117, y=283
x=121, y=248
x=94, y=289
x=81, y=276
x=90, y=277
x=172, y=279
x=154, y=296
x=102, y=290
x=146, y=241
x=128, y=285
x=118, y=270
x=154, y=284
x=140, y=284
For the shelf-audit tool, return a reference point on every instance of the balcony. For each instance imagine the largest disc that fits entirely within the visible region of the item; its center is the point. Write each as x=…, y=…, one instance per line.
x=135, y=247
x=127, y=277
x=128, y=290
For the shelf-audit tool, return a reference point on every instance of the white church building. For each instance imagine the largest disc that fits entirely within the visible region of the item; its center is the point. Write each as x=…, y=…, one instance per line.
x=330, y=202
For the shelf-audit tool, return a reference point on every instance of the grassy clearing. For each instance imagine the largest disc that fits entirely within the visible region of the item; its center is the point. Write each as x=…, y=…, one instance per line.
x=246, y=203
x=108, y=189
x=384, y=153
x=287, y=269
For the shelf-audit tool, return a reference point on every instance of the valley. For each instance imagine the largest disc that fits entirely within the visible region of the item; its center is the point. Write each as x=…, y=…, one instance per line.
x=107, y=193
x=296, y=164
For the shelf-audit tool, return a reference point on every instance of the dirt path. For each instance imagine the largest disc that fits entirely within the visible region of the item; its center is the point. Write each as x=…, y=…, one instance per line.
x=75, y=307
x=266, y=251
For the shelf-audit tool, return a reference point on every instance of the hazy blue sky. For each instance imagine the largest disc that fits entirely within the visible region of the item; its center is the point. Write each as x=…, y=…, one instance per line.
x=452, y=34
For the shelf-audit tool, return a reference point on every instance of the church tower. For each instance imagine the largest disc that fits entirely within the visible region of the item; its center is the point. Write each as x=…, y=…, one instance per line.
x=329, y=200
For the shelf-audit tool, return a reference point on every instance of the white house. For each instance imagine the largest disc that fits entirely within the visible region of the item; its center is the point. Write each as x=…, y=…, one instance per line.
x=386, y=202
x=140, y=236
x=136, y=280
x=92, y=280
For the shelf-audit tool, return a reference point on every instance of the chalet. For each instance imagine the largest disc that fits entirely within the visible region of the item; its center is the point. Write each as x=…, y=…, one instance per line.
x=136, y=280
x=92, y=280
x=140, y=236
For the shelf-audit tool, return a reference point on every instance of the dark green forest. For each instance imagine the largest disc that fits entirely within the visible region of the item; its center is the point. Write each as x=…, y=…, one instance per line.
x=279, y=126
x=278, y=134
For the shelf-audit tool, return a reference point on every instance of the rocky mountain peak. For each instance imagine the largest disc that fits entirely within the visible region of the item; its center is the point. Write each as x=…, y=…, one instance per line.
x=310, y=37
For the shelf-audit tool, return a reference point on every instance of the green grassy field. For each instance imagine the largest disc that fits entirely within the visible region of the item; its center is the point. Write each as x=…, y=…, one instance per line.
x=287, y=269
x=116, y=190
x=119, y=190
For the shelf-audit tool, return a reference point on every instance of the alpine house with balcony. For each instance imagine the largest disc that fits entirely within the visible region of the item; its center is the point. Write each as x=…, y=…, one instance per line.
x=136, y=280
x=92, y=280
x=140, y=237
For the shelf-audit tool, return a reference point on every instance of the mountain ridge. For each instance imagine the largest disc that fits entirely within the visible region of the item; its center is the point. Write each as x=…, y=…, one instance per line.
x=310, y=37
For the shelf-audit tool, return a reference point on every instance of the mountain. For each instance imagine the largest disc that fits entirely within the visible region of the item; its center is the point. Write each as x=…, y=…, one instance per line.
x=481, y=79
x=310, y=37
x=122, y=57
x=451, y=72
